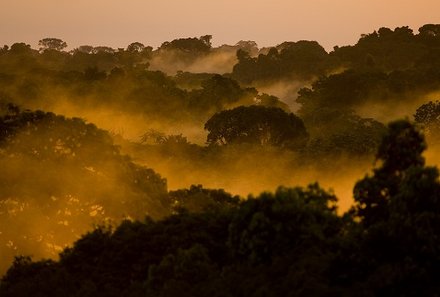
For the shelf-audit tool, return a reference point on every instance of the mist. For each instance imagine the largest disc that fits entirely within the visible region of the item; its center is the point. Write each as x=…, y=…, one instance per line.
x=98, y=136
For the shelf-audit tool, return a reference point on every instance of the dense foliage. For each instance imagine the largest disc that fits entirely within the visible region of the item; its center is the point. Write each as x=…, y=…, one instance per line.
x=256, y=125
x=291, y=242
x=199, y=114
x=59, y=176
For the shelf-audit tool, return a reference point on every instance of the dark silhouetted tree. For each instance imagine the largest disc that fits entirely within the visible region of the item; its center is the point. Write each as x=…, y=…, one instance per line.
x=400, y=150
x=429, y=116
x=267, y=126
x=52, y=44
x=198, y=199
x=135, y=47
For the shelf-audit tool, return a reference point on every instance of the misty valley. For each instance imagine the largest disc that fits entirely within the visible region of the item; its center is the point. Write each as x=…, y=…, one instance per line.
x=194, y=170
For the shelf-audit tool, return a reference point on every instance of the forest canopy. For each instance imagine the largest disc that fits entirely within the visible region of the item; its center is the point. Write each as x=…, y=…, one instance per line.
x=196, y=170
x=292, y=240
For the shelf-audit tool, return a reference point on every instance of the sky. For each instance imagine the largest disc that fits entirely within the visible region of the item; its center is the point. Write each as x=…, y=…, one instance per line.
x=117, y=23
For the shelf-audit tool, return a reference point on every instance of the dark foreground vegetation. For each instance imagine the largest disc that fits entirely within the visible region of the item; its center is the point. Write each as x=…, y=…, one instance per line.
x=104, y=153
x=288, y=243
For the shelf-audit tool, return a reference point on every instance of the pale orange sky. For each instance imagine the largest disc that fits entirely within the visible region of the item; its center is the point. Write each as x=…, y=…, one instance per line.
x=117, y=23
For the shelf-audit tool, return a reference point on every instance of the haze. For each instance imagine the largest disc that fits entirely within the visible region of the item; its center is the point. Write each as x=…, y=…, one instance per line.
x=117, y=23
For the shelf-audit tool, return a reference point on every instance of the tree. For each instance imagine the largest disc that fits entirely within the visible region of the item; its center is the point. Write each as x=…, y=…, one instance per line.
x=103, y=50
x=192, y=46
x=217, y=92
x=20, y=48
x=206, y=39
x=69, y=173
x=198, y=199
x=303, y=59
x=52, y=44
x=256, y=125
x=428, y=115
x=400, y=150
x=332, y=92
x=43, y=278
x=291, y=218
x=86, y=49
x=177, y=274
x=430, y=30
x=4, y=49
x=336, y=132
x=135, y=47
x=398, y=208
x=248, y=46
